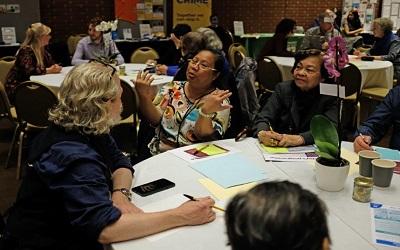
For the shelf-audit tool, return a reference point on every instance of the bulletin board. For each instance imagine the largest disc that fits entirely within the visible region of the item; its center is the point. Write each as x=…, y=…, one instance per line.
x=367, y=10
x=390, y=9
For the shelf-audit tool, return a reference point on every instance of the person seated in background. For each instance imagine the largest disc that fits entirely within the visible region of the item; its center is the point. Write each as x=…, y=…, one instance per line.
x=284, y=120
x=76, y=190
x=223, y=34
x=190, y=111
x=277, y=45
x=318, y=37
x=32, y=58
x=277, y=215
x=168, y=64
x=378, y=123
x=352, y=28
x=95, y=46
x=386, y=46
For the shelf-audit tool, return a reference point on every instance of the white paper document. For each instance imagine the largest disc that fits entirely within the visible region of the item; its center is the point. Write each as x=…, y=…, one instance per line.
x=331, y=89
x=385, y=225
x=238, y=28
x=301, y=153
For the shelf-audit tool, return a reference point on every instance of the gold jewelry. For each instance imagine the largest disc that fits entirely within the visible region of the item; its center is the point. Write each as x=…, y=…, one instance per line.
x=125, y=192
x=210, y=116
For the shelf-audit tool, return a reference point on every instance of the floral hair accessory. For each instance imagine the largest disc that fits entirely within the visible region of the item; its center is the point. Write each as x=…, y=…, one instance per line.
x=107, y=26
x=337, y=48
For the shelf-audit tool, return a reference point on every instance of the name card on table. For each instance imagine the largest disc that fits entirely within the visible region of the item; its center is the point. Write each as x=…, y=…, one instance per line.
x=331, y=89
x=8, y=35
x=145, y=30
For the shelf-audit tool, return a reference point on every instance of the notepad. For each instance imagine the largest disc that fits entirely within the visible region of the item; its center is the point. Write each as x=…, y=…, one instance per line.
x=388, y=154
x=230, y=170
x=205, y=150
x=224, y=193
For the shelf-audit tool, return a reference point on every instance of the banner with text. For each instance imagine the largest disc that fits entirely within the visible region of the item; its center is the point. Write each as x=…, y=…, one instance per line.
x=196, y=13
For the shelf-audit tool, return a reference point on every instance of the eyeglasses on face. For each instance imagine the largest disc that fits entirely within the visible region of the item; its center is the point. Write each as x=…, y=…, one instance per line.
x=202, y=65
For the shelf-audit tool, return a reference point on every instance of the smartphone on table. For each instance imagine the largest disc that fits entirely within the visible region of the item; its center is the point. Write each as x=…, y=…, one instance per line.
x=153, y=187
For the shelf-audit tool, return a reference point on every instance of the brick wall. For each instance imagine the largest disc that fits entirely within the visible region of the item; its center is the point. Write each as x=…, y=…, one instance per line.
x=263, y=15
x=71, y=16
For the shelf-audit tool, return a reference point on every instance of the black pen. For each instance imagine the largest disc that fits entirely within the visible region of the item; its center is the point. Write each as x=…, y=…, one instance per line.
x=193, y=199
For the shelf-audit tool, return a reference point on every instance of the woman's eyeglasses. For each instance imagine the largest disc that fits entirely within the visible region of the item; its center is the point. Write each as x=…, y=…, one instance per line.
x=202, y=66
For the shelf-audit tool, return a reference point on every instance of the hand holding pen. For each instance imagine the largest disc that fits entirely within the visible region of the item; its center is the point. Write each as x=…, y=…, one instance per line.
x=362, y=142
x=198, y=212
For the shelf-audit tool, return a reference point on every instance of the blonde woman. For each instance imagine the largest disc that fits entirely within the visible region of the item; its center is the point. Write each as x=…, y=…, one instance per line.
x=79, y=184
x=32, y=58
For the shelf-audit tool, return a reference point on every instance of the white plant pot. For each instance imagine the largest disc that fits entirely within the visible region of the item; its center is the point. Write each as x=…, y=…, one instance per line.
x=331, y=178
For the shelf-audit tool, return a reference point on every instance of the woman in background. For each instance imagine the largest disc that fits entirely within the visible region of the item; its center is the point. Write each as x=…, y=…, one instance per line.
x=352, y=25
x=32, y=58
x=277, y=46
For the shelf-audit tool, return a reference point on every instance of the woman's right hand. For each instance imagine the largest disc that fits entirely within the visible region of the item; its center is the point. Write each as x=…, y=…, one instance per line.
x=269, y=138
x=197, y=212
x=143, y=85
x=161, y=69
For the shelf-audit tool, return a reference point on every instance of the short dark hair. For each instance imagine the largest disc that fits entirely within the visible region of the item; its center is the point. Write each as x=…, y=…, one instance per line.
x=285, y=26
x=276, y=215
x=303, y=54
x=181, y=29
x=95, y=21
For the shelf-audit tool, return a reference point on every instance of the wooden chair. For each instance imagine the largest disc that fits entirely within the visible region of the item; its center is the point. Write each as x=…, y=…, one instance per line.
x=32, y=103
x=125, y=133
x=376, y=93
x=5, y=67
x=142, y=54
x=232, y=52
x=7, y=112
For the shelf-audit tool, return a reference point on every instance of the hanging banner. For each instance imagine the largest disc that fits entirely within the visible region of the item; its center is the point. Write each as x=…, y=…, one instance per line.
x=196, y=13
x=126, y=10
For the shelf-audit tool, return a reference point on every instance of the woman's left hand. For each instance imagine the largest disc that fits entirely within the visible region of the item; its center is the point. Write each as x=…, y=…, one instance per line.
x=123, y=204
x=214, y=101
x=291, y=140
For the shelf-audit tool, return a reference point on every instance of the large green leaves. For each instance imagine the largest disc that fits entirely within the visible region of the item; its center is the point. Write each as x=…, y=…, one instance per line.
x=325, y=137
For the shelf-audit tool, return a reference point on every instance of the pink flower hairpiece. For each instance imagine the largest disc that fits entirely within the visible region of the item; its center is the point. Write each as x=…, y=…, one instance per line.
x=330, y=56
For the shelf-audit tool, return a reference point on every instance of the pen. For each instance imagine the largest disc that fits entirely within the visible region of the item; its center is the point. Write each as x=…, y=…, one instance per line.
x=242, y=134
x=193, y=199
x=270, y=127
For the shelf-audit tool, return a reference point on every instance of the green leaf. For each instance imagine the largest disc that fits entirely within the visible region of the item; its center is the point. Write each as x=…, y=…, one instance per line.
x=325, y=155
x=325, y=136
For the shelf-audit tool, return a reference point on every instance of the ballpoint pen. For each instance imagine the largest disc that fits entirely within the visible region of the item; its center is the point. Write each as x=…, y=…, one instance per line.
x=193, y=199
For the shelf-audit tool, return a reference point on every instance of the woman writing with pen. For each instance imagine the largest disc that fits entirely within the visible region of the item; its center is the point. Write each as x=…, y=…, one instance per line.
x=284, y=120
x=31, y=59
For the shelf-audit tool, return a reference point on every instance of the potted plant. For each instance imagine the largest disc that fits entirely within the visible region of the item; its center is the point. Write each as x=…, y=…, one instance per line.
x=331, y=169
x=109, y=30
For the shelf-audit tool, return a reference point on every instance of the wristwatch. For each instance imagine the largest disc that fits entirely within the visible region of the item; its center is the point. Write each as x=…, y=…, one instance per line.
x=210, y=116
x=125, y=192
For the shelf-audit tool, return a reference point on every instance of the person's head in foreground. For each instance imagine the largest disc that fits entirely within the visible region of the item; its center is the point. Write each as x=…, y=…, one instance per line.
x=277, y=216
x=308, y=69
x=89, y=99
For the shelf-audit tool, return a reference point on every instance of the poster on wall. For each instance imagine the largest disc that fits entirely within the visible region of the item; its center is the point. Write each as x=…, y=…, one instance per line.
x=391, y=9
x=125, y=10
x=194, y=13
x=367, y=10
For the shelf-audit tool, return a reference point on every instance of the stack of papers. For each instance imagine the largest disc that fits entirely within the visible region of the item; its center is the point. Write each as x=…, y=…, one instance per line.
x=300, y=153
x=230, y=170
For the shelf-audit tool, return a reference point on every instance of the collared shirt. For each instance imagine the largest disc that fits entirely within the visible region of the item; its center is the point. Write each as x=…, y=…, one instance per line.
x=87, y=49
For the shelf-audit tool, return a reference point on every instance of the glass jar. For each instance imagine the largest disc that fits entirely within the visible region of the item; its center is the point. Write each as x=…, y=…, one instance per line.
x=362, y=189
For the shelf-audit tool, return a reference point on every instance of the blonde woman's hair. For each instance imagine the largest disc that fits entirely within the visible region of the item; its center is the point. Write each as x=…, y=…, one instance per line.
x=211, y=38
x=385, y=23
x=83, y=99
x=32, y=38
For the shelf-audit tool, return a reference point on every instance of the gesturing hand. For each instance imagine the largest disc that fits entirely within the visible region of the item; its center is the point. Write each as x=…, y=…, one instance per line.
x=214, y=101
x=362, y=142
x=143, y=85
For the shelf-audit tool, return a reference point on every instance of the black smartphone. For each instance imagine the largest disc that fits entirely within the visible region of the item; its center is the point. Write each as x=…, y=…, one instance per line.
x=153, y=187
x=367, y=58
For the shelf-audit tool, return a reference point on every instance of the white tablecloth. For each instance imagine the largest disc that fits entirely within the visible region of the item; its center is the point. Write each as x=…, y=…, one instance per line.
x=373, y=73
x=349, y=221
x=54, y=80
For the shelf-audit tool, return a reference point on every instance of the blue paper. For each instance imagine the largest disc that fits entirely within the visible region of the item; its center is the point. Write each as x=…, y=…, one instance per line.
x=230, y=170
x=388, y=154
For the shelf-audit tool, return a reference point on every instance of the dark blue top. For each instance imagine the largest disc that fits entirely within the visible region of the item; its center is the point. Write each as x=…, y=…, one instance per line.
x=64, y=200
x=386, y=114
